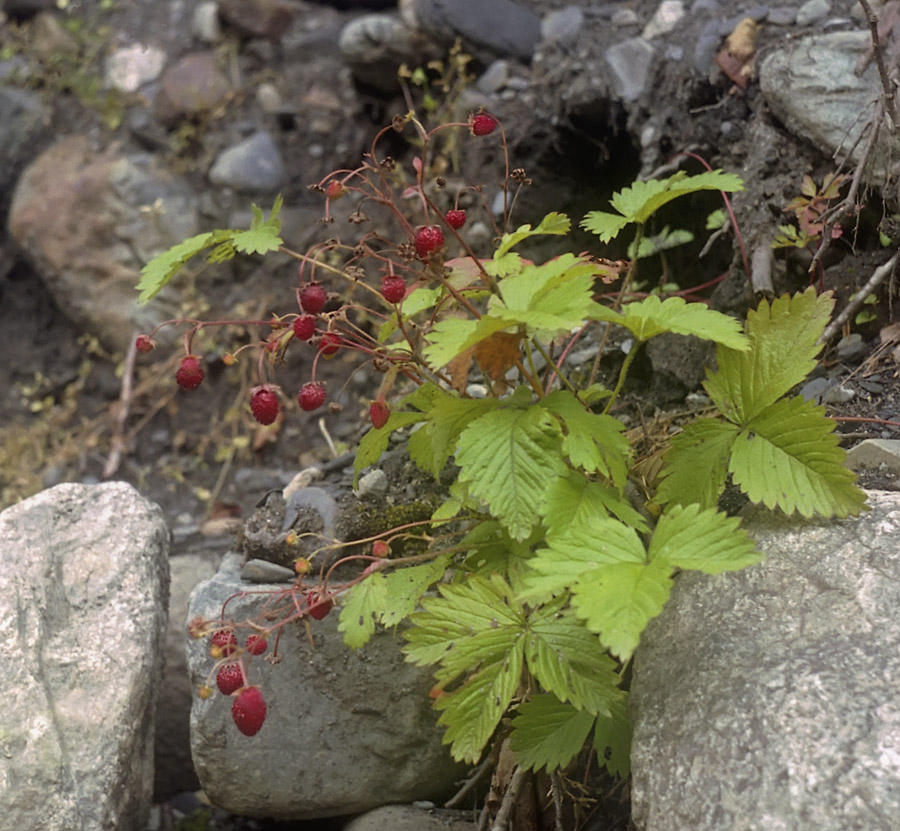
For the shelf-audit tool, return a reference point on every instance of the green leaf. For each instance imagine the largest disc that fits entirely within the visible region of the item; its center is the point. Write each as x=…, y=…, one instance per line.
x=788, y=456
x=376, y=441
x=572, y=499
x=569, y=661
x=652, y=316
x=547, y=733
x=696, y=463
x=617, y=601
x=453, y=335
x=161, y=269
x=263, y=234
x=784, y=340
x=663, y=241
x=472, y=712
x=612, y=739
x=639, y=202
x=405, y=586
x=702, y=540
x=554, y=223
x=507, y=458
x=596, y=443
x=359, y=608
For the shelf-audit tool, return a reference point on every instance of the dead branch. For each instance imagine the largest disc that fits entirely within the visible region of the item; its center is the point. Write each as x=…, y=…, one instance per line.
x=469, y=785
x=878, y=54
x=510, y=798
x=119, y=442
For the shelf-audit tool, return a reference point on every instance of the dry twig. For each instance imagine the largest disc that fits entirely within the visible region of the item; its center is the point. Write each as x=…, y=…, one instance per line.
x=877, y=277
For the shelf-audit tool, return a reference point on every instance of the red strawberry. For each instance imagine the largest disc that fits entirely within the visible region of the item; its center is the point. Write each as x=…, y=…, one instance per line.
x=190, y=373
x=311, y=396
x=304, y=327
x=249, y=710
x=312, y=298
x=380, y=549
x=223, y=643
x=256, y=644
x=393, y=288
x=428, y=239
x=335, y=189
x=456, y=219
x=229, y=678
x=319, y=603
x=482, y=124
x=264, y=404
x=379, y=413
x=144, y=343
x=329, y=343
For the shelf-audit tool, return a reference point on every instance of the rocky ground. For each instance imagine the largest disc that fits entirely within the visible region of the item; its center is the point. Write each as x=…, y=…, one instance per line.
x=590, y=102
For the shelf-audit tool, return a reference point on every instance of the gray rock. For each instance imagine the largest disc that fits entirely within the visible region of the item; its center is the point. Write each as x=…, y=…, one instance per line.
x=409, y=818
x=766, y=700
x=129, y=68
x=191, y=86
x=497, y=27
x=174, y=768
x=89, y=222
x=345, y=731
x=630, y=62
x=812, y=87
x=666, y=17
x=494, y=78
x=562, y=26
x=812, y=11
x=872, y=453
x=262, y=571
x=253, y=165
x=83, y=591
x=852, y=347
x=375, y=45
x=373, y=485
x=23, y=120
x=815, y=388
x=838, y=394
x=782, y=16
x=205, y=22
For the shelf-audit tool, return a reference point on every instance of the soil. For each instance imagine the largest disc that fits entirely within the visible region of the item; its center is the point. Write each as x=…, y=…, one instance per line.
x=202, y=458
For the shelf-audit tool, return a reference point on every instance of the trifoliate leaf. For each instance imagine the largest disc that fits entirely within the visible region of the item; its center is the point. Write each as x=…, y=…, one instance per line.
x=405, y=586
x=553, y=223
x=418, y=300
x=263, y=234
x=548, y=733
x=569, y=661
x=784, y=337
x=702, y=540
x=617, y=601
x=161, y=269
x=652, y=316
x=472, y=712
x=604, y=225
x=507, y=458
x=454, y=335
x=592, y=441
x=696, y=463
x=572, y=499
x=359, y=608
x=612, y=739
x=789, y=457
x=376, y=441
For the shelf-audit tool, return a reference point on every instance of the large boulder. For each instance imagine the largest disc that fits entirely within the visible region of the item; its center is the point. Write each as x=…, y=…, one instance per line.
x=83, y=591
x=345, y=731
x=89, y=221
x=766, y=700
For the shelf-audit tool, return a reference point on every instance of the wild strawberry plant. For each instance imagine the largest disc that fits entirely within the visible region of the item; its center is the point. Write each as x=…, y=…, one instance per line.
x=546, y=572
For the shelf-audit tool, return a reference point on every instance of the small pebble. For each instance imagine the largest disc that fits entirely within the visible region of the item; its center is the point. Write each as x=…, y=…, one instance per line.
x=373, y=485
x=262, y=571
x=838, y=394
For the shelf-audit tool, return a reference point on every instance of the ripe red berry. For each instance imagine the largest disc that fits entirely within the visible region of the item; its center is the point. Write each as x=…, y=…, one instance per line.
x=249, y=710
x=428, y=239
x=482, y=124
x=393, y=288
x=329, y=343
x=223, y=643
x=380, y=549
x=312, y=298
x=456, y=219
x=304, y=327
x=311, y=396
x=190, y=374
x=229, y=678
x=335, y=189
x=144, y=343
x=318, y=603
x=264, y=405
x=256, y=644
x=379, y=413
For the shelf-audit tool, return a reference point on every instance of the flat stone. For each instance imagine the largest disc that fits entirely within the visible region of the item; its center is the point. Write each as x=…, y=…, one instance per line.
x=812, y=12
x=262, y=571
x=128, y=69
x=375, y=45
x=766, y=699
x=872, y=453
x=629, y=63
x=192, y=86
x=563, y=25
x=666, y=17
x=83, y=593
x=252, y=165
x=409, y=818
x=205, y=22
x=268, y=19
